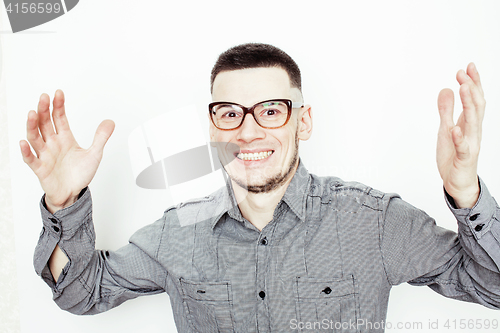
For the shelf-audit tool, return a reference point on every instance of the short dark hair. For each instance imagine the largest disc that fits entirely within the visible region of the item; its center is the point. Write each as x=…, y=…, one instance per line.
x=255, y=55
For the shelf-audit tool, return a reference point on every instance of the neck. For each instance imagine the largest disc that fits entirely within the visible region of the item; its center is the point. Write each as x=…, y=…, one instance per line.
x=258, y=208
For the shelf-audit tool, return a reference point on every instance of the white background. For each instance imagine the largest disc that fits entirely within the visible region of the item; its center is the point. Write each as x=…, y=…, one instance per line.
x=372, y=71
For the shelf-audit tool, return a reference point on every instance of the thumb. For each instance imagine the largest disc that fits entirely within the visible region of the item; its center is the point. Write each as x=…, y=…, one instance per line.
x=445, y=107
x=461, y=145
x=102, y=134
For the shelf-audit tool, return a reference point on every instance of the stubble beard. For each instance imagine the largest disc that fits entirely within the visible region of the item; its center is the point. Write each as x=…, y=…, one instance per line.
x=272, y=182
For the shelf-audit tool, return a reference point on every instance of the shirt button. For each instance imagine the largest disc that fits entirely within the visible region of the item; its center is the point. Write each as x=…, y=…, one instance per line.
x=263, y=241
x=53, y=220
x=262, y=294
x=56, y=229
x=479, y=227
x=473, y=217
x=327, y=290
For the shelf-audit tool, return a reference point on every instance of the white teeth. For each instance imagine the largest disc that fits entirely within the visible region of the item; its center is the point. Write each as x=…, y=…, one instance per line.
x=254, y=156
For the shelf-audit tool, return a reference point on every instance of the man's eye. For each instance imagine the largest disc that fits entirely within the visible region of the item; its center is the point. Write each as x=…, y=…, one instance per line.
x=230, y=114
x=270, y=112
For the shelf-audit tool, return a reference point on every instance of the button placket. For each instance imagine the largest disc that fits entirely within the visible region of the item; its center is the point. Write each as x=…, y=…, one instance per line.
x=261, y=270
x=262, y=259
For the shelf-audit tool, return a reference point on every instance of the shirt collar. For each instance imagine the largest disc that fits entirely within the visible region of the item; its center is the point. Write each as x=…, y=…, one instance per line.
x=296, y=193
x=295, y=197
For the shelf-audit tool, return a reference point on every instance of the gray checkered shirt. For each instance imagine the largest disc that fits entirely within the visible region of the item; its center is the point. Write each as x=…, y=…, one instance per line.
x=327, y=260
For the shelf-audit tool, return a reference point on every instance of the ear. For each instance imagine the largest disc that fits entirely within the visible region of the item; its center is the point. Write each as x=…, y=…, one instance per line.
x=305, y=123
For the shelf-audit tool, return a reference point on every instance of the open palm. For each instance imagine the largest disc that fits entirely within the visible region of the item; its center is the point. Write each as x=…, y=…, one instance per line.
x=61, y=165
x=458, y=145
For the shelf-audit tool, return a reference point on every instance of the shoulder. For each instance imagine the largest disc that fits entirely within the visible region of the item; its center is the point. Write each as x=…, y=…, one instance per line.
x=179, y=223
x=334, y=188
x=334, y=184
x=197, y=210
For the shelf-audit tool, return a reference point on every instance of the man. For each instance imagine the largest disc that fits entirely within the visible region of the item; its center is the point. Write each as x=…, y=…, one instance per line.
x=278, y=249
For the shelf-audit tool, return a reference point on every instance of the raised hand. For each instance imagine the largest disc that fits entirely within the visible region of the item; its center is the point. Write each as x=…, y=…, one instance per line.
x=458, y=145
x=61, y=165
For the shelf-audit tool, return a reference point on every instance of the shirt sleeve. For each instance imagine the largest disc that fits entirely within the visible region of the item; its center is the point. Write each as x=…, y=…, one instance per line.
x=93, y=280
x=464, y=266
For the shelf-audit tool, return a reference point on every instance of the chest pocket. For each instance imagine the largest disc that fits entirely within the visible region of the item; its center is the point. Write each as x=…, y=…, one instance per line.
x=208, y=306
x=327, y=305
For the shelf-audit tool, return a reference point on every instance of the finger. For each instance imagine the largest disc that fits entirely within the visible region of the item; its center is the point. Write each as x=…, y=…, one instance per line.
x=28, y=156
x=102, y=135
x=59, y=113
x=476, y=93
x=474, y=75
x=44, y=122
x=445, y=107
x=32, y=133
x=461, y=145
x=469, y=111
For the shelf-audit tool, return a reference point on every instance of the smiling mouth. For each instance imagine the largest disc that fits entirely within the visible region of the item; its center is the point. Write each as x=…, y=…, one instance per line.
x=254, y=156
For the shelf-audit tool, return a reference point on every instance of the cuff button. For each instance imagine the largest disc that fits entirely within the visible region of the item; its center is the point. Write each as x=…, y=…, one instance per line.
x=474, y=217
x=56, y=229
x=479, y=227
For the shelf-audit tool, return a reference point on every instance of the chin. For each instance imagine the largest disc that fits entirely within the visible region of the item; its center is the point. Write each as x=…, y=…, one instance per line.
x=259, y=185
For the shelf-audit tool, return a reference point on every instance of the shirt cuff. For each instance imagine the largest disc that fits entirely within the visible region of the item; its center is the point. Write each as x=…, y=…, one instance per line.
x=59, y=226
x=475, y=221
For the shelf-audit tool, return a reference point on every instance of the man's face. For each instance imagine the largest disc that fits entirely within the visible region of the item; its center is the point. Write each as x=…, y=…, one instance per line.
x=268, y=157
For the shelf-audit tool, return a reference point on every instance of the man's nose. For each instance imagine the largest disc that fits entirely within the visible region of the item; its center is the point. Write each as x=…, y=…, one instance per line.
x=250, y=129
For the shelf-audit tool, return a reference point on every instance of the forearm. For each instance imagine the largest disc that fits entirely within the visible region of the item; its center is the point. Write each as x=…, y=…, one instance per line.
x=479, y=228
x=473, y=274
x=464, y=266
x=88, y=281
x=65, y=256
x=67, y=237
x=58, y=259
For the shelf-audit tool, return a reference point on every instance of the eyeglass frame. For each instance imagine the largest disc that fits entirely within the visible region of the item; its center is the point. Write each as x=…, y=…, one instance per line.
x=290, y=106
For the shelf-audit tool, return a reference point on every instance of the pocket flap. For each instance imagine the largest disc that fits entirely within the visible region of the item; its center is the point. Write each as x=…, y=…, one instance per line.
x=312, y=288
x=206, y=291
